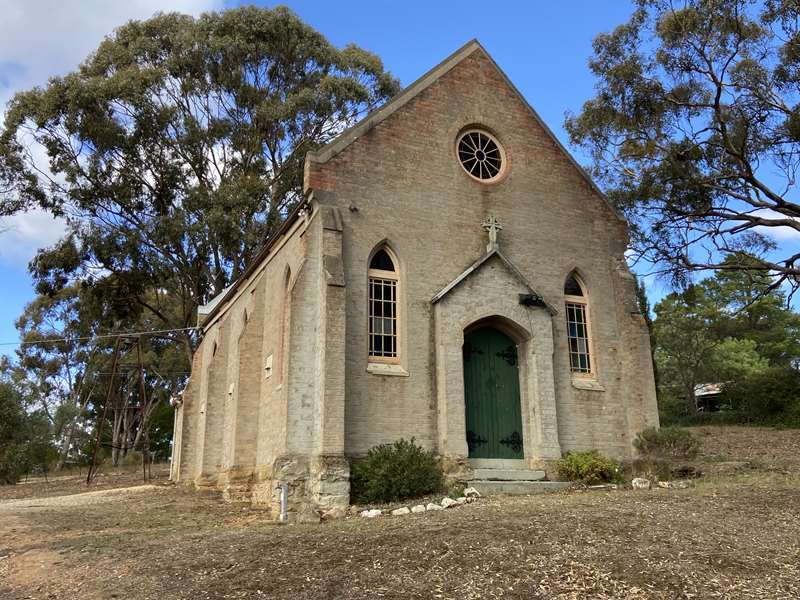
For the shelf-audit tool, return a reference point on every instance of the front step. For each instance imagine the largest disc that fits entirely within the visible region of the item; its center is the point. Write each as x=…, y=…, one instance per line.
x=507, y=474
x=489, y=487
x=497, y=463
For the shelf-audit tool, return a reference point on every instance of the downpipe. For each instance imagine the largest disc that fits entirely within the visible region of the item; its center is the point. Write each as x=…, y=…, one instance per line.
x=284, y=516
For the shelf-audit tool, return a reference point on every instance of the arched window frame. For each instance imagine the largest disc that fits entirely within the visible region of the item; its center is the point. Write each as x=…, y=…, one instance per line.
x=286, y=316
x=391, y=280
x=581, y=364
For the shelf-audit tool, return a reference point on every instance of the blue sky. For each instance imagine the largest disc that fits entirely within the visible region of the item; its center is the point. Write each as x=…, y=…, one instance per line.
x=542, y=45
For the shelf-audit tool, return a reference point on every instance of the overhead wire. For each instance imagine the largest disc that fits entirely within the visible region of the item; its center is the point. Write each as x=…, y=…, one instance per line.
x=96, y=337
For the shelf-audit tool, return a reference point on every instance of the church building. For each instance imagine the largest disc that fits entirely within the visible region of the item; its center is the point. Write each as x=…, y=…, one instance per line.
x=452, y=275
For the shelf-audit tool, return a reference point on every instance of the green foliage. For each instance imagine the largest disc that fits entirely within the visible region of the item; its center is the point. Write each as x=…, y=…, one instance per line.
x=667, y=443
x=13, y=462
x=25, y=445
x=770, y=397
x=394, y=472
x=695, y=101
x=644, y=308
x=685, y=341
x=162, y=420
x=724, y=329
x=589, y=467
x=737, y=358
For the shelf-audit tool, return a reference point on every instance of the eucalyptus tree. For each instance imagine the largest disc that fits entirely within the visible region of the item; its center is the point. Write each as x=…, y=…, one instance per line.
x=175, y=150
x=59, y=363
x=695, y=132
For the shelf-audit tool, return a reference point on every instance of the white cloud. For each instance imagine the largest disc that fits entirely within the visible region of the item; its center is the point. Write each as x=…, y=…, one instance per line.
x=43, y=38
x=779, y=233
x=40, y=39
x=23, y=234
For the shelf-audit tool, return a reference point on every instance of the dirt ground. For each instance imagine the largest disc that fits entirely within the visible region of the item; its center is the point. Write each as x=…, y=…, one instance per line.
x=734, y=534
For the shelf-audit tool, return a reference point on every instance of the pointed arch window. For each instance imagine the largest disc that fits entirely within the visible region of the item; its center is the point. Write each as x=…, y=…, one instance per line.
x=384, y=279
x=283, y=349
x=578, y=331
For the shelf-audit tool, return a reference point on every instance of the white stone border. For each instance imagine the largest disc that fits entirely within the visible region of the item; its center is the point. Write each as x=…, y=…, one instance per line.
x=470, y=495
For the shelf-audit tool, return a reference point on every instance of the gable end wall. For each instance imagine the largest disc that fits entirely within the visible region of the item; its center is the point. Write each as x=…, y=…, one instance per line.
x=400, y=181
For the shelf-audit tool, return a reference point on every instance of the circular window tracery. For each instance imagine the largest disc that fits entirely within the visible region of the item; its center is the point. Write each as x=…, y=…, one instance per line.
x=480, y=155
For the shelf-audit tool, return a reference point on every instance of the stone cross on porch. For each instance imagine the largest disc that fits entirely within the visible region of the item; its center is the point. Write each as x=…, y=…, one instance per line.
x=491, y=225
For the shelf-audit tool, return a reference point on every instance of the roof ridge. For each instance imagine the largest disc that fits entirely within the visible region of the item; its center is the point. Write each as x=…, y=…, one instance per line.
x=349, y=135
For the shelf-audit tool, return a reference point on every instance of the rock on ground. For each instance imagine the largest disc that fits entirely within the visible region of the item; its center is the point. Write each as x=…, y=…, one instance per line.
x=471, y=492
x=432, y=506
x=401, y=511
x=448, y=502
x=677, y=485
x=419, y=508
x=640, y=483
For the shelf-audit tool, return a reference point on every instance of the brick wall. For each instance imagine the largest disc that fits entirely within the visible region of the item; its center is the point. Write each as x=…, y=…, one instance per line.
x=401, y=182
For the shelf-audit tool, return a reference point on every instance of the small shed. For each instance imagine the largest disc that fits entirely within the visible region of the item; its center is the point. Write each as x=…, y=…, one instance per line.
x=707, y=396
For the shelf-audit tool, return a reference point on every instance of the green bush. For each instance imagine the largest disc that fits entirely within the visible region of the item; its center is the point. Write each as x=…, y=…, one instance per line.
x=726, y=417
x=771, y=397
x=667, y=443
x=395, y=472
x=589, y=467
x=14, y=460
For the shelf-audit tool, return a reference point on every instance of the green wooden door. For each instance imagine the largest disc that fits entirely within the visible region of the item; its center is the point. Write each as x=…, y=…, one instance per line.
x=491, y=394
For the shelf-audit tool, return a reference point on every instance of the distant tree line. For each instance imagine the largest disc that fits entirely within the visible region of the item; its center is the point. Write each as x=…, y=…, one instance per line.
x=735, y=330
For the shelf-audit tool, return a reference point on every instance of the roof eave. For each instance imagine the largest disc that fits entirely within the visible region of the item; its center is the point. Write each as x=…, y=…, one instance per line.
x=348, y=136
x=231, y=290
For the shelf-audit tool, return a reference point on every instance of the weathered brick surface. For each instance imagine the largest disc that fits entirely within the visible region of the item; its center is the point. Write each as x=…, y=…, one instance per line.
x=409, y=190
x=400, y=183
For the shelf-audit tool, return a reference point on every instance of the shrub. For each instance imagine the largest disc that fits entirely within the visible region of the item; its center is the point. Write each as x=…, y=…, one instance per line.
x=395, y=472
x=13, y=452
x=667, y=443
x=589, y=467
x=771, y=397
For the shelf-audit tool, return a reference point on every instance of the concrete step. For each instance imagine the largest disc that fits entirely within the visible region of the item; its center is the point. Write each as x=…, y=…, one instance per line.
x=488, y=487
x=508, y=474
x=497, y=463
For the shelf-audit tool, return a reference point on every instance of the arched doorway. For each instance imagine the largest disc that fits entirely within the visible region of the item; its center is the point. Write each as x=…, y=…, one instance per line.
x=491, y=394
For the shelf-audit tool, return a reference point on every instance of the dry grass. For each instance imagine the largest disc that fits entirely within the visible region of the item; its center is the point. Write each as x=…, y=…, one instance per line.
x=74, y=482
x=732, y=535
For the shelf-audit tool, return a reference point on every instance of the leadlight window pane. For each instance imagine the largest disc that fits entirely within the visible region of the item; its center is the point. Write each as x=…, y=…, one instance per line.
x=572, y=287
x=382, y=261
x=577, y=333
x=382, y=317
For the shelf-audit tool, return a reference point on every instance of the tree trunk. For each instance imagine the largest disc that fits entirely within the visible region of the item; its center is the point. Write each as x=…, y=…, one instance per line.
x=70, y=433
x=63, y=453
x=186, y=340
x=691, y=402
x=115, y=437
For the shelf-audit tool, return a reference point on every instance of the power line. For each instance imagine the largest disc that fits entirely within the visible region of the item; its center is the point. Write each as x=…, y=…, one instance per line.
x=97, y=337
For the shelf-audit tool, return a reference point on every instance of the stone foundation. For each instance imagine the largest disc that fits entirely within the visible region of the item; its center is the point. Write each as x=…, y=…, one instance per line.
x=318, y=486
x=549, y=466
x=457, y=469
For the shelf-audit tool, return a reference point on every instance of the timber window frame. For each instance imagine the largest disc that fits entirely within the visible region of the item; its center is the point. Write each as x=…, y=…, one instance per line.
x=384, y=313
x=481, y=155
x=580, y=345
